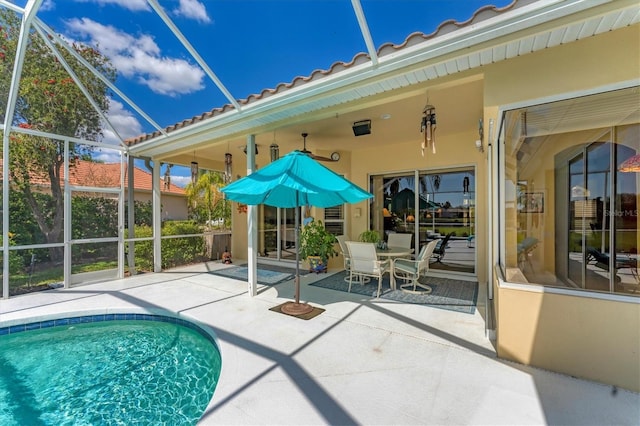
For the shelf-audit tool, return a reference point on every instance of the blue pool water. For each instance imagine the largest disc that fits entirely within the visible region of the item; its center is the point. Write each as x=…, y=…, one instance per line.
x=108, y=372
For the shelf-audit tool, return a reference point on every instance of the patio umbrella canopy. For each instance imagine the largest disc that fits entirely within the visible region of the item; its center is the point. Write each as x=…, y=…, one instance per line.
x=405, y=199
x=295, y=180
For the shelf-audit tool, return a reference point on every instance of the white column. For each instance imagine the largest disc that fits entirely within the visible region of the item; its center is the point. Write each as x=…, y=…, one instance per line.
x=157, y=218
x=252, y=224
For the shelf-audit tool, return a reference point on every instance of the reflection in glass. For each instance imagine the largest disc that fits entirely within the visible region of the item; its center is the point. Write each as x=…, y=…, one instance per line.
x=429, y=206
x=587, y=235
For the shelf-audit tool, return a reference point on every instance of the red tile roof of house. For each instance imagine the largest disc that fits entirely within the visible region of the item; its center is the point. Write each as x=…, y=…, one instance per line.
x=107, y=175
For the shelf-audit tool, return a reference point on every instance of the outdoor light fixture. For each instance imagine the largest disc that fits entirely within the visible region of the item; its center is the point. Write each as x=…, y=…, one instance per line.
x=362, y=127
x=428, y=128
x=194, y=172
x=228, y=160
x=275, y=151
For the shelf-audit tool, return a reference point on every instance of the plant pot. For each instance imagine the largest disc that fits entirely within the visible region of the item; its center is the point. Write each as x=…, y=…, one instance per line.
x=317, y=264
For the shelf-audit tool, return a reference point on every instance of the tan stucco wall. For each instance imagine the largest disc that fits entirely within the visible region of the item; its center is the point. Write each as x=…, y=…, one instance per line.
x=580, y=336
x=591, y=338
x=581, y=65
x=174, y=207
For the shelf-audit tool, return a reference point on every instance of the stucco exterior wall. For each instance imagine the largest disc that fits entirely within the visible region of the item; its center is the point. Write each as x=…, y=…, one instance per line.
x=588, y=337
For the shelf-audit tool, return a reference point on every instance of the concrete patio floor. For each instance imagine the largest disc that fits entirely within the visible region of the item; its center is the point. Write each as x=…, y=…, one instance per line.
x=362, y=361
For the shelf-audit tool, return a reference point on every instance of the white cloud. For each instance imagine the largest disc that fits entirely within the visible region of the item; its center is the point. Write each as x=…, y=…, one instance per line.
x=180, y=181
x=106, y=155
x=134, y=5
x=140, y=58
x=124, y=123
x=192, y=9
x=47, y=5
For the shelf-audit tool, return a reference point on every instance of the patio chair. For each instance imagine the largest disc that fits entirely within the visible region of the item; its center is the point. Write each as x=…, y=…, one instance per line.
x=595, y=257
x=399, y=240
x=364, y=263
x=441, y=247
x=412, y=270
x=342, y=240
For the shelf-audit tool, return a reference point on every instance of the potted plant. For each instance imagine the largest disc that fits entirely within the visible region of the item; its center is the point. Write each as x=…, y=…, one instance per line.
x=317, y=245
x=370, y=236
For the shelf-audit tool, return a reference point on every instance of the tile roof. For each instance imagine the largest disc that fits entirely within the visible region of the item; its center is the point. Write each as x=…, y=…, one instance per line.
x=413, y=39
x=107, y=175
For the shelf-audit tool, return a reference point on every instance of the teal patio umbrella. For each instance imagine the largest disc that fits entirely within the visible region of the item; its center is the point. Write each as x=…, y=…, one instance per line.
x=405, y=199
x=295, y=180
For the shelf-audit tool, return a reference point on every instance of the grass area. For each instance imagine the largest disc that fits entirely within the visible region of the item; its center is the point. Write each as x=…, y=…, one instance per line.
x=55, y=274
x=458, y=231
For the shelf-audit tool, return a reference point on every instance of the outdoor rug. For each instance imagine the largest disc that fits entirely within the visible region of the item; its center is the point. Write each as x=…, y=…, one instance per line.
x=265, y=276
x=449, y=294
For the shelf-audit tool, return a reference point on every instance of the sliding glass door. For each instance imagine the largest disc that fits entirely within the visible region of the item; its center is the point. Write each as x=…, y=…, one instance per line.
x=276, y=233
x=429, y=205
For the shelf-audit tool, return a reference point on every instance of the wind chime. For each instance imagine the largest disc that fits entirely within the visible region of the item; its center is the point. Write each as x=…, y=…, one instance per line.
x=428, y=128
x=194, y=169
x=228, y=159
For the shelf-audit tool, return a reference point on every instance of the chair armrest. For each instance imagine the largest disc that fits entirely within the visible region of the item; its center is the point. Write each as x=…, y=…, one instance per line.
x=385, y=262
x=403, y=261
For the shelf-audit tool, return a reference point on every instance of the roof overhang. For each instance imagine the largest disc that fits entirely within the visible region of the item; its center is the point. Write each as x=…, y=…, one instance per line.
x=537, y=26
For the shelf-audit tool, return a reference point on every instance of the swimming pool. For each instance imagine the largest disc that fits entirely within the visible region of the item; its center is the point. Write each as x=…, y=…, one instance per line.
x=106, y=369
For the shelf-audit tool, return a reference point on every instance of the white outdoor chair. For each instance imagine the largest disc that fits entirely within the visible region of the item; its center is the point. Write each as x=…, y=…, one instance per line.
x=399, y=240
x=364, y=263
x=342, y=239
x=410, y=270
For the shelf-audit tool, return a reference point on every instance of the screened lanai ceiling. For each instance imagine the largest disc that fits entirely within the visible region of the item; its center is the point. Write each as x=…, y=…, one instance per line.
x=195, y=75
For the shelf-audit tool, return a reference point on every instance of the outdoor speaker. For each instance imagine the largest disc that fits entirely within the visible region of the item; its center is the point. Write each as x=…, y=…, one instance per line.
x=362, y=127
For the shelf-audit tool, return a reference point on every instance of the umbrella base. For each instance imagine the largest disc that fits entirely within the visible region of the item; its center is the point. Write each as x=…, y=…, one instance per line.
x=296, y=308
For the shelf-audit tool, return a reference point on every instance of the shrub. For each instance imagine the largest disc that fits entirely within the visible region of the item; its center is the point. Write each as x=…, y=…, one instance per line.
x=175, y=251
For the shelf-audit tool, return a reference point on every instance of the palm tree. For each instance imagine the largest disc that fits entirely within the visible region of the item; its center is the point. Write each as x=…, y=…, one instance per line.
x=435, y=184
x=204, y=195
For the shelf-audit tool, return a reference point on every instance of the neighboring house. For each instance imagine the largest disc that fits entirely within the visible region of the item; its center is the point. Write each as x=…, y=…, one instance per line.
x=88, y=174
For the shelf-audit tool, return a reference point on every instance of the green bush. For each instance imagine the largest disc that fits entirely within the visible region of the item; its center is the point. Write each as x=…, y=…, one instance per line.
x=16, y=262
x=175, y=251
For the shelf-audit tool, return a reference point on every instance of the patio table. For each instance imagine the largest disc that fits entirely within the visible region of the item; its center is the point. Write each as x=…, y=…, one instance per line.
x=392, y=253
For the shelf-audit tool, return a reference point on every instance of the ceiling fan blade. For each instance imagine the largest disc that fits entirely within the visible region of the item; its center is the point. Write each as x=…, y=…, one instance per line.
x=321, y=158
x=309, y=153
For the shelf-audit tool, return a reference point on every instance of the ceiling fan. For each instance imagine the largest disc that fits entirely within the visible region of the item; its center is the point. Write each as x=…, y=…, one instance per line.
x=335, y=156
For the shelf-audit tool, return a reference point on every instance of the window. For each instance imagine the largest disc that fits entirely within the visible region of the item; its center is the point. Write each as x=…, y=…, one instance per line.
x=572, y=220
x=445, y=201
x=334, y=219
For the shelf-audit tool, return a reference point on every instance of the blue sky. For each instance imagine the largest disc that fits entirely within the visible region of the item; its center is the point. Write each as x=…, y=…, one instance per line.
x=250, y=45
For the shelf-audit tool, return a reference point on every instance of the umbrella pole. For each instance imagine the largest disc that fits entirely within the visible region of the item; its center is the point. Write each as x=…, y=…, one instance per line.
x=297, y=241
x=297, y=308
